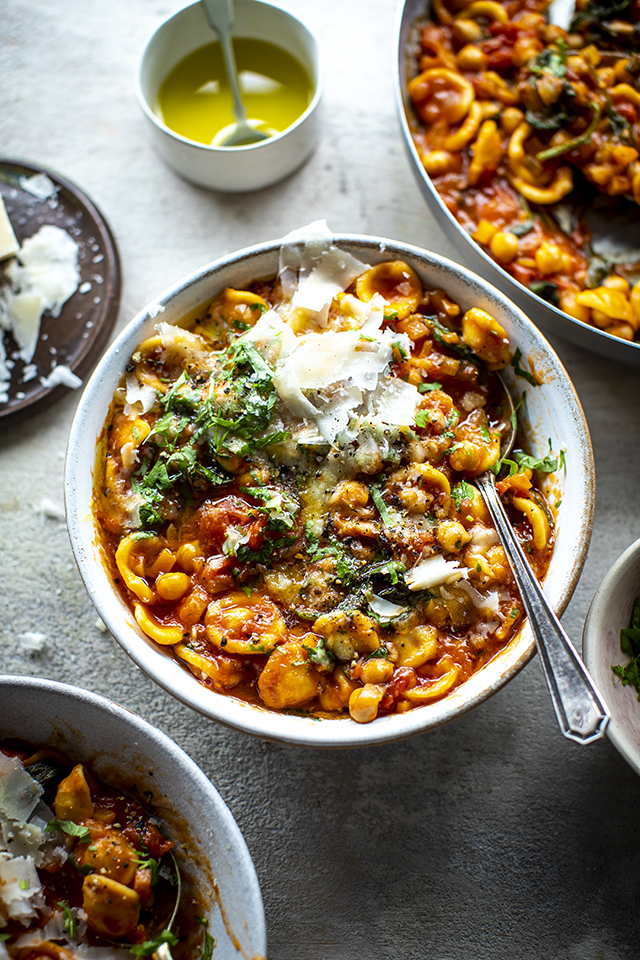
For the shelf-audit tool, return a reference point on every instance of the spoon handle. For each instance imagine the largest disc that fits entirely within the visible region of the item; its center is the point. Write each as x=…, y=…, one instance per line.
x=221, y=18
x=581, y=712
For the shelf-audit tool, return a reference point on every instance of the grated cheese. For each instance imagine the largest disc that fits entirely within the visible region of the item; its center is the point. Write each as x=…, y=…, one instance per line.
x=434, y=571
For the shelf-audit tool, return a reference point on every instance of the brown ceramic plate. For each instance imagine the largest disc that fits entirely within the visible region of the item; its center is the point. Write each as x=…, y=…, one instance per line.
x=79, y=335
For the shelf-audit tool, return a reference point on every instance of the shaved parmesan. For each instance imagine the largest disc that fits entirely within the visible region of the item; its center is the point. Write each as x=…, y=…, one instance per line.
x=8, y=243
x=19, y=793
x=39, y=185
x=395, y=402
x=312, y=270
x=140, y=398
x=20, y=889
x=489, y=603
x=384, y=609
x=61, y=376
x=434, y=571
x=22, y=840
x=43, y=277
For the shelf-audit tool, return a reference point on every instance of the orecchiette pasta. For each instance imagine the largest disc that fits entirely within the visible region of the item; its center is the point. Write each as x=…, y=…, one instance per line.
x=299, y=524
x=516, y=116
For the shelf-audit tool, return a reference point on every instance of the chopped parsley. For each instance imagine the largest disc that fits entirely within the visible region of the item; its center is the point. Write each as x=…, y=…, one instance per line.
x=320, y=655
x=383, y=509
x=520, y=372
x=630, y=645
x=428, y=387
x=461, y=491
x=149, y=863
x=70, y=828
x=150, y=947
x=548, y=464
x=70, y=925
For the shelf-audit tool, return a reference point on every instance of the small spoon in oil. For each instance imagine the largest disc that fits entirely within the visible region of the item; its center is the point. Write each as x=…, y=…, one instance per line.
x=580, y=710
x=220, y=16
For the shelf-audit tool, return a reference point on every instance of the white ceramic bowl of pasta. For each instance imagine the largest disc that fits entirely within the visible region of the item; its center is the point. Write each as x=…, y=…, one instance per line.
x=122, y=749
x=555, y=414
x=609, y=612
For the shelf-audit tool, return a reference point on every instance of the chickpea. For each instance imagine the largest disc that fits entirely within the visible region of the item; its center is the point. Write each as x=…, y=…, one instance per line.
x=623, y=330
x=172, y=586
x=511, y=118
x=437, y=162
x=452, y=535
x=376, y=670
x=550, y=258
x=615, y=282
x=363, y=703
x=504, y=246
x=466, y=31
x=472, y=58
x=189, y=558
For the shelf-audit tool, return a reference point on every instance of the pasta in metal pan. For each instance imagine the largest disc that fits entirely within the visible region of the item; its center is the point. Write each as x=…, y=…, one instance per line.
x=523, y=126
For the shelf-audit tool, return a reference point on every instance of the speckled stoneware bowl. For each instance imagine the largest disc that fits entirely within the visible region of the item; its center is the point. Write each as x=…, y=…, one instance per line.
x=609, y=612
x=128, y=753
x=544, y=314
x=554, y=412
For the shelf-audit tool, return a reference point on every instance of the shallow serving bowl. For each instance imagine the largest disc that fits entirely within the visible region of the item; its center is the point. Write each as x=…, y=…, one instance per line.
x=123, y=750
x=554, y=412
x=609, y=612
x=544, y=314
x=231, y=169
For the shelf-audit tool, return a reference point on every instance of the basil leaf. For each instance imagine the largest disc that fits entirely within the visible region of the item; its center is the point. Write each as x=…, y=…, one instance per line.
x=69, y=827
x=150, y=947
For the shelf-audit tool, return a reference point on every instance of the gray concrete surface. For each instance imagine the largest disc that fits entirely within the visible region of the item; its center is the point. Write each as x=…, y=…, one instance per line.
x=490, y=838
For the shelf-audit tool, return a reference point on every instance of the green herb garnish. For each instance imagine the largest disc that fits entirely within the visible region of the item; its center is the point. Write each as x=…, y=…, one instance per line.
x=630, y=645
x=71, y=828
x=70, y=925
x=149, y=947
x=383, y=510
x=520, y=372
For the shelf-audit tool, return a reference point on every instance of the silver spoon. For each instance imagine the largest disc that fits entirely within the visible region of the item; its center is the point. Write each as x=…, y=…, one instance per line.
x=163, y=952
x=220, y=16
x=582, y=714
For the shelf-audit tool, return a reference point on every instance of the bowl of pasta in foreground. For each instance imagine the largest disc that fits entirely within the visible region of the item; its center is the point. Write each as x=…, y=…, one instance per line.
x=542, y=250
x=296, y=569
x=115, y=766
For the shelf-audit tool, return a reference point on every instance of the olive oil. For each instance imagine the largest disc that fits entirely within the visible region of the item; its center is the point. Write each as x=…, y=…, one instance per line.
x=195, y=98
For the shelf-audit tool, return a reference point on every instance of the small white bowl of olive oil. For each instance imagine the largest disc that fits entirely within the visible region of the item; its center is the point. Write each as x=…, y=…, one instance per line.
x=184, y=92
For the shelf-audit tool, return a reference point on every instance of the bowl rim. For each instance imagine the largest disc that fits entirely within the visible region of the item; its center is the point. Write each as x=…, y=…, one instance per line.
x=189, y=770
x=246, y=148
x=618, y=344
x=271, y=725
x=596, y=615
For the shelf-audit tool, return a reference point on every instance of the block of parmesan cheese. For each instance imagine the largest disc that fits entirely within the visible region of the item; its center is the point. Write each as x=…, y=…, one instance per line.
x=8, y=243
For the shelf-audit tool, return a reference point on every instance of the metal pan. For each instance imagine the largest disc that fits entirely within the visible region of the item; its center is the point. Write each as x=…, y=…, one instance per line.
x=609, y=235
